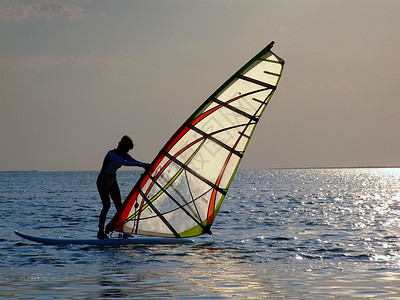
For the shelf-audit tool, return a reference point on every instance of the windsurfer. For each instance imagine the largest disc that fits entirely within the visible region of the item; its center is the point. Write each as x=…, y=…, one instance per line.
x=107, y=180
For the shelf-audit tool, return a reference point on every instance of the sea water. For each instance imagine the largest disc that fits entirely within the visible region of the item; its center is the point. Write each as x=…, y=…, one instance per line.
x=280, y=233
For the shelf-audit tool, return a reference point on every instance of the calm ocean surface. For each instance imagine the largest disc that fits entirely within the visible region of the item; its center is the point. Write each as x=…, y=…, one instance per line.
x=280, y=233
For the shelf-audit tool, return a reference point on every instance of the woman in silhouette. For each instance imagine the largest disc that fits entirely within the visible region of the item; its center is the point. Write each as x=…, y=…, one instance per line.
x=107, y=180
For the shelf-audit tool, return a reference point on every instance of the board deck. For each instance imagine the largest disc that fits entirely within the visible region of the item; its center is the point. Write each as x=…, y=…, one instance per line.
x=111, y=241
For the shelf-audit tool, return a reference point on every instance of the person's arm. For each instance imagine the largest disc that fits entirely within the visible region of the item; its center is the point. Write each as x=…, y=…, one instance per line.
x=125, y=162
x=138, y=163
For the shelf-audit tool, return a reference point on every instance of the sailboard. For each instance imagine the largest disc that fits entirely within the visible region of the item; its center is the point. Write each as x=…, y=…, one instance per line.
x=183, y=189
x=111, y=241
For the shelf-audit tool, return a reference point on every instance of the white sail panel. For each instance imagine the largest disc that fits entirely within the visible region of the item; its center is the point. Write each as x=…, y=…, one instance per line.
x=268, y=70
x=240, y=87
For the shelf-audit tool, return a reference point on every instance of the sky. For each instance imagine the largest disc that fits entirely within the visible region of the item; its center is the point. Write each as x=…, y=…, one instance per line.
x=77, y=75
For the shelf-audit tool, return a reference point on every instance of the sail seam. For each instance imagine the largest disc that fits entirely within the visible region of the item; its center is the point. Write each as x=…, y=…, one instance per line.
x=252, y=80
x=240, y=112
x=273, y=61
x=259, y=101
x=158, y=213
x=210, y=137
x=176, y=201
x=202, y=178
x=271, y=73
x=245, y=135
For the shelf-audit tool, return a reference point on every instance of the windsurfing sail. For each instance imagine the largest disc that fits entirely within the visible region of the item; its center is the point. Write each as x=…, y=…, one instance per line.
x=182, y=191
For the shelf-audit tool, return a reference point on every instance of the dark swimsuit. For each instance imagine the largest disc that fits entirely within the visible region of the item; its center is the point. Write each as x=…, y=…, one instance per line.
x=107, y=181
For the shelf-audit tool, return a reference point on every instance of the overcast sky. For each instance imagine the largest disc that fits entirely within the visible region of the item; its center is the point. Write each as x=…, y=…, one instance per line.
x=77, y=75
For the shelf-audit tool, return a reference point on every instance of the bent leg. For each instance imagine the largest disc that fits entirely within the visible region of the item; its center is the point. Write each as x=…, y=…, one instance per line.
x=116, y=195
x=105, y=199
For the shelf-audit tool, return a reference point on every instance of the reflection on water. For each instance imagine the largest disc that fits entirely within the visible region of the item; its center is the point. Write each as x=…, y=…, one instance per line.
x=182, y=271
x=316, y=233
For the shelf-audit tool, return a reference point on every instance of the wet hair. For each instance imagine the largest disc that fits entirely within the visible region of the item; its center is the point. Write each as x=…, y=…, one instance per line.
x=126, y=142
